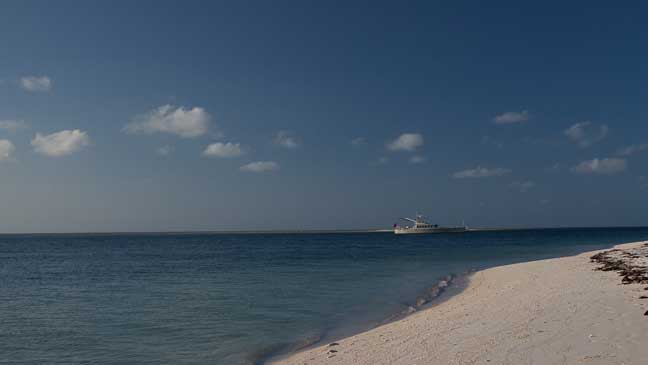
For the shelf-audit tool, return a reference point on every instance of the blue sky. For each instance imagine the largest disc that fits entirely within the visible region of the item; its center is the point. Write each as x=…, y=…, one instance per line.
x=119, y=116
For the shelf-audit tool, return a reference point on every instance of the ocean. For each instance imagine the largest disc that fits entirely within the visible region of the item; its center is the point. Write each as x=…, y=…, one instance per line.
x=235, y=298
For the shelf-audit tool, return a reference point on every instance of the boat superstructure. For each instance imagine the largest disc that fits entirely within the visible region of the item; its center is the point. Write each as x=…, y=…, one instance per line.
x=422, y=226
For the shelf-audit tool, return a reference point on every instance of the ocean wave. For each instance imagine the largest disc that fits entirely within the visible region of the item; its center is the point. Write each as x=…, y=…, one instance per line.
x=428, y=297
x=264, y=354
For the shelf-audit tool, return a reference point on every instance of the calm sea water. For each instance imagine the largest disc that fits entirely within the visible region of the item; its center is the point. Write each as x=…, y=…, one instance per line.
x=232, y=299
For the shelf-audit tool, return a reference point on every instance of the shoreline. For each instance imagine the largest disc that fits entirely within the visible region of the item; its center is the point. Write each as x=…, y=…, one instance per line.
x=543, y=311
x=442, y=290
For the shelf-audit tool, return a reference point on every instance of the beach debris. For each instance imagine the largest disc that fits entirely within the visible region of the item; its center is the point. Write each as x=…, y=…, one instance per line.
x=631, y=263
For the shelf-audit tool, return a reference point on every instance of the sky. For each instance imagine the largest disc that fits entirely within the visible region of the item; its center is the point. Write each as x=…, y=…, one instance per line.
x=165, y=116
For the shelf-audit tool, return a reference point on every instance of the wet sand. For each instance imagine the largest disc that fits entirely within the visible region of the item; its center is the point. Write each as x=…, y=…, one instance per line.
x=556, y=311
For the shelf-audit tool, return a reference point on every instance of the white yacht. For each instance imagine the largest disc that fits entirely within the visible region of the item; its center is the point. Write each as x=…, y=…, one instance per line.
x=421, y=226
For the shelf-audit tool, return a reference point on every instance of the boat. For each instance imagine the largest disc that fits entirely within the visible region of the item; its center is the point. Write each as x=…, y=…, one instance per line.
x=421, y=226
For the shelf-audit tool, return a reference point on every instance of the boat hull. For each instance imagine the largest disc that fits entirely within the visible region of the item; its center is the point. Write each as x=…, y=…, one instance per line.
x=429, y=230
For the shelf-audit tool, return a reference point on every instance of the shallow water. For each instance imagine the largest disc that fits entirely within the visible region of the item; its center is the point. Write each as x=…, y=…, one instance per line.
x=233, y=299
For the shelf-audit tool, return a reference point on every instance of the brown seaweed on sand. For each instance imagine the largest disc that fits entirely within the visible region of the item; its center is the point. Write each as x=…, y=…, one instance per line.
x=631, y=263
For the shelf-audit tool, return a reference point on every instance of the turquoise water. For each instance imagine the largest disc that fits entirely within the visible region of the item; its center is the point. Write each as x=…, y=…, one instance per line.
x=233, y=299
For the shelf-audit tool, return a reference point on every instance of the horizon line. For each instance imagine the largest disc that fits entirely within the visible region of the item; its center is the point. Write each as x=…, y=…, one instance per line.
x=303, y=231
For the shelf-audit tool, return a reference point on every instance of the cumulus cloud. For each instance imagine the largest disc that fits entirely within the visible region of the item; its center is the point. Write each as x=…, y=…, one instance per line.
x=180, y=121
x=223, y=150
x=480, y=172
x=12, y=125
x=586, y=133
x=359, y=141
x=632, y=149
x=260, y=166
x=164, y=150
x=406, y=142
x=522, y=186
x=6, y=149
x=511, y=117
x=601, y=166
x=36, y=83
x=60, y=143
x=286, y=139
x=416, y=159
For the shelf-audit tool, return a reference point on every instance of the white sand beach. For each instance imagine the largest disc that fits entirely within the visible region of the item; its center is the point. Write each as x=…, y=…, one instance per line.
x=556, y=311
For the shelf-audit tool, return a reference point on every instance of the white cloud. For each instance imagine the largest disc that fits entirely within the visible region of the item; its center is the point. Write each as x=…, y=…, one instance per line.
x=359, y=141
x=260, y=166
x=480, y=172
x=632, y=149
x=406, y=142
x=600, y=166
x=164, y=150
x=286, y=139
x=36, y=83
x=416, y=159
x=586, y=133
x=511, y=117
x=60, y=143
x=6, y=149
x=183, y=122
x=223, y=150
x=522, y=186
x=12, y=125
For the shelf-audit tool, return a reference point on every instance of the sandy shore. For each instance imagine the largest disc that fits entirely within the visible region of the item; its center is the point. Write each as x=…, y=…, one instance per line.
x=557, y=311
